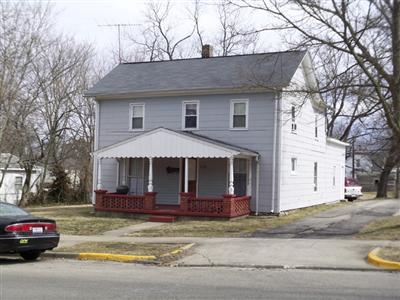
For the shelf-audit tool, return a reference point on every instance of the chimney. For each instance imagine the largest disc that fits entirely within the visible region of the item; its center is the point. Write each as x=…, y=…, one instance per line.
x=206, y=51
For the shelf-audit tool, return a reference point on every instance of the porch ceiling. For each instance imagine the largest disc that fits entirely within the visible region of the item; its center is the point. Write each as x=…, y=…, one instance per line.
x=162, y=142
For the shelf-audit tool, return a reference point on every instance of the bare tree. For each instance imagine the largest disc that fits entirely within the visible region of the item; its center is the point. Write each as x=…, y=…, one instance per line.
x=160, y=38
x=61, y=76
x=368, y=32
x=235, y=35
x=41, y=85
x=22, y=29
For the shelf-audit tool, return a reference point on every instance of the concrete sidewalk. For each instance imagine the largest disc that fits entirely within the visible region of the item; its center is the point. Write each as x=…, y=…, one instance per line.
x=260, y=252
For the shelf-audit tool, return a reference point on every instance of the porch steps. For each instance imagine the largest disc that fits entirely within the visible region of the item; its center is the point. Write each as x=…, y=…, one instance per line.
x=163, y=219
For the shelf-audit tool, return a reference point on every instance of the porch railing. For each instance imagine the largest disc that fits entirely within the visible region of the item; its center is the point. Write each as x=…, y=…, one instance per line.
x=227, y=206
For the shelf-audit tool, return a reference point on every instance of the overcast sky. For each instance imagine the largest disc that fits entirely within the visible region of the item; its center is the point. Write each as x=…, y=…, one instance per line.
x=86, y=19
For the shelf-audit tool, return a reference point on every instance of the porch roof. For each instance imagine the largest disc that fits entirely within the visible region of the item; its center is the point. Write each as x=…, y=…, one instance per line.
x=167, y=143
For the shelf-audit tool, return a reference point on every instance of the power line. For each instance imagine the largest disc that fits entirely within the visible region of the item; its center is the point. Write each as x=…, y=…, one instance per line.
x=118, y=25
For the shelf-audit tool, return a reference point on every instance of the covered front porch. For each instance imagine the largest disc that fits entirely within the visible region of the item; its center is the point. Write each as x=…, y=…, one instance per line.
x=165, y=172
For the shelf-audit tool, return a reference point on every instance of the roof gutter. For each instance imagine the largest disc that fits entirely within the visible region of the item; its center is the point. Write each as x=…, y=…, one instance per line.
x=183, y=92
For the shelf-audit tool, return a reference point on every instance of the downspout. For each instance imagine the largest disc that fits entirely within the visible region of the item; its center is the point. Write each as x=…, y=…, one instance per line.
x=276, y=155
x=257, y=182
x=95, y=148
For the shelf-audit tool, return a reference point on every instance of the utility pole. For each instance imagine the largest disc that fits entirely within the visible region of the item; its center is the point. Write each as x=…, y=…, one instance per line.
x=353, y=171
x=119, y=36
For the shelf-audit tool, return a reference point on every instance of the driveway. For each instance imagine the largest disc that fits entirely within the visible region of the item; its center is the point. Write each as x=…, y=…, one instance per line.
x=342, y=222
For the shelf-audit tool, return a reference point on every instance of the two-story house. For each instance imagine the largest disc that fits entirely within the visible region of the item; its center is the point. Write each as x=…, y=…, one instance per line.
x=186, y=132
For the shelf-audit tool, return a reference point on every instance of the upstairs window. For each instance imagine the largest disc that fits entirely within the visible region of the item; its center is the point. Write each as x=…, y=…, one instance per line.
x=294, y=124
x=137, y=116
x=190, y=115
x=239, y=114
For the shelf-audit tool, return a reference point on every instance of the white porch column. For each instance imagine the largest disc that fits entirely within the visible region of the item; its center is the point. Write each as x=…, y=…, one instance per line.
x=186, y=175
x=150, y=186
x=231, y=189
x=123, y=181
x=99, y=174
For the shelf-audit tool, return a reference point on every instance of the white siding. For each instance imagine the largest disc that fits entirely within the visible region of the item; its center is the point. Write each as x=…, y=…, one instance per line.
x=297, y=189
x=8, y=191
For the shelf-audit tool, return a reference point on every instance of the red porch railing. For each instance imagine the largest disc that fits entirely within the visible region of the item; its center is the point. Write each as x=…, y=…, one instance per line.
x=227, y=206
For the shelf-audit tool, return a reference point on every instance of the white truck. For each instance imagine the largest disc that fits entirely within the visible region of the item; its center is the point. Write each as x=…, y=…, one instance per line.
x=352, y=189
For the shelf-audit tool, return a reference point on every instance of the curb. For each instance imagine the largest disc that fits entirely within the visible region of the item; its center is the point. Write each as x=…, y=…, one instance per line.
x=374, y=259
x=116, y=257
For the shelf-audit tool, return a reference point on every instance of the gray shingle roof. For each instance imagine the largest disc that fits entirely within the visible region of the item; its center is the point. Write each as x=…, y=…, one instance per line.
x=270, y=70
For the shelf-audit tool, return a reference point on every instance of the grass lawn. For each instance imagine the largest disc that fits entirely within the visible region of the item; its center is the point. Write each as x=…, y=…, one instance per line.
x=390, y=253
x=241, y=227
x=385, y=229
x=80, y=220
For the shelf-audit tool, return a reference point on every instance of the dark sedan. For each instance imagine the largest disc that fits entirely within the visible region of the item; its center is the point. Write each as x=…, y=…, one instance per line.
x=25, y=234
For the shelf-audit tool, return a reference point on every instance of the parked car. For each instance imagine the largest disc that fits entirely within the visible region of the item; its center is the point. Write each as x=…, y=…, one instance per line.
x=352, y=189
x=25, y=234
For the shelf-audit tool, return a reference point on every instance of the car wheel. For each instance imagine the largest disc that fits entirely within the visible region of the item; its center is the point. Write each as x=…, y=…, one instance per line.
x=30, y=255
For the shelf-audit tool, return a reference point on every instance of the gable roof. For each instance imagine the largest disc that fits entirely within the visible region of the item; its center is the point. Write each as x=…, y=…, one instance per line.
x=9, y=161
x=267, y=70
x=162, y=142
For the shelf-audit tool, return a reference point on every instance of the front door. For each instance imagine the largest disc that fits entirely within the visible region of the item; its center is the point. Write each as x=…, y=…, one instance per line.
x=192, y=188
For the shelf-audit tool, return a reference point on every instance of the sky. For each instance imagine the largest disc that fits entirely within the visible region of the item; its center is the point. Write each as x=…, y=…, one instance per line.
x=94, y=20
x=89, y=20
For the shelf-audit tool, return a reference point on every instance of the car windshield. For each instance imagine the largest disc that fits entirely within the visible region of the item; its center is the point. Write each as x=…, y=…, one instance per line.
x=11, y=210
x=351, y=182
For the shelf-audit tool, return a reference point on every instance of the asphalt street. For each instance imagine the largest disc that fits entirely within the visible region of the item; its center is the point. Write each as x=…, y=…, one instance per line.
x=71, y=279
x=339, y=223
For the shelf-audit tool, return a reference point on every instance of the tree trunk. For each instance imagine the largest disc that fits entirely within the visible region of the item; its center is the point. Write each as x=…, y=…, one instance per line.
x=396, y=191
x=27, y=186
x=391, y=161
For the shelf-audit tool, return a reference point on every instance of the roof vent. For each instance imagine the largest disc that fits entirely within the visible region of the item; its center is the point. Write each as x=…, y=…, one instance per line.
x=206, y=51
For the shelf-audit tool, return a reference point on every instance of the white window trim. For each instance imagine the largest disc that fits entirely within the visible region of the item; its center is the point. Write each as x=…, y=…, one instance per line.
x=197, y=102
x=131, y=116
x=233, y=101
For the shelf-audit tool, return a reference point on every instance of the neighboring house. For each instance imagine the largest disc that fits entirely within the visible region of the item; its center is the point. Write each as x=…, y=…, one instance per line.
x=366, y=169
x=200, y=128
x=12, y=178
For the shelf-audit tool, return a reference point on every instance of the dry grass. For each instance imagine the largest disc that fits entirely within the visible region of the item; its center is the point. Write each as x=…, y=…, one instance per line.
x=229, y=228
x=385, y=229
x=80, y=220
x=390, y=253
x=155, y=249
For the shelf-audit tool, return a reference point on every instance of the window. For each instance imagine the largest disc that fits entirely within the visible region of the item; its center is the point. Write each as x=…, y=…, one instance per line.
x=294, y=165
x=137, y=116
x=293, y=113
x=334, y=176
x=315, y=176
x=239, y=114
x=18, y=183
x=316, y=126
x=190, y=115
